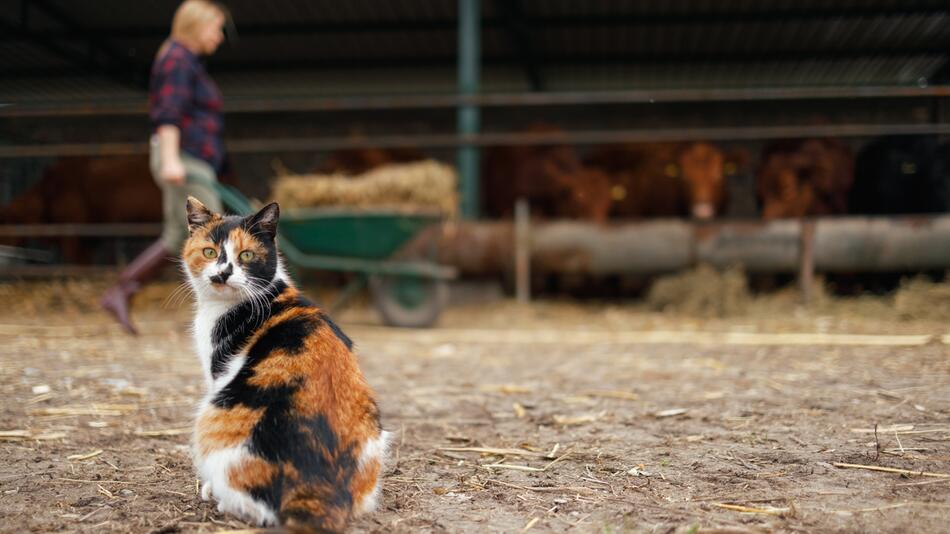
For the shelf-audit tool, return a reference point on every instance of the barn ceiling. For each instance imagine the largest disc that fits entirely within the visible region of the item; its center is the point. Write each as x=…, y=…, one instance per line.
x=68, y=50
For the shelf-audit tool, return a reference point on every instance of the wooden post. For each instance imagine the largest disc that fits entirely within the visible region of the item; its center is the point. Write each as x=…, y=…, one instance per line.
x=806, y=259
x=522, y=251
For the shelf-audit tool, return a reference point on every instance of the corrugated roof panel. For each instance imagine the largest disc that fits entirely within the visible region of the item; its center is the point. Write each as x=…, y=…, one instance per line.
x=20, y=55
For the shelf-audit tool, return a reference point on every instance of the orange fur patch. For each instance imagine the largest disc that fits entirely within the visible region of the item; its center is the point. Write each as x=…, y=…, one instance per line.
x=191, y=252
x=364, y=481
x=221, y=429
x=336, y=388
x=241, y=240
x=311, y=500
x=252, y=473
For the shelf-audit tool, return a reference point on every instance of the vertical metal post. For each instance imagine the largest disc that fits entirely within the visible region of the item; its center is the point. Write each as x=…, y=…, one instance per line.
x=522, y=252
x=806, y=259
x=468, y=118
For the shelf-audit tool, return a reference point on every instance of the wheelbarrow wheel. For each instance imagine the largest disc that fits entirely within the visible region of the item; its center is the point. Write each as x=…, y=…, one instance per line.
x=409, y=301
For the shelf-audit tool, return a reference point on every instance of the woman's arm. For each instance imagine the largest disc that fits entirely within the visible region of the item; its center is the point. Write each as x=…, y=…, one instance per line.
x=171, y=168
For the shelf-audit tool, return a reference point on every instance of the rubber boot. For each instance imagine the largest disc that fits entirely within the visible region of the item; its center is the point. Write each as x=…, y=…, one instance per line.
x=118, y=299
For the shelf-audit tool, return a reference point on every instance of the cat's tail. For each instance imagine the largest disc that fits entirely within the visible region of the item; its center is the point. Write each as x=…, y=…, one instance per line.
x=315, y=509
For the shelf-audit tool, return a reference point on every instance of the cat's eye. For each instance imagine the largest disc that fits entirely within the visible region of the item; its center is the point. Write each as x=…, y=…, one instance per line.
x=210, y=253
x=247, y=255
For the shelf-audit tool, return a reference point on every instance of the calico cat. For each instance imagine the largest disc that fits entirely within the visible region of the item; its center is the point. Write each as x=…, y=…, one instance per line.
x=288, y=432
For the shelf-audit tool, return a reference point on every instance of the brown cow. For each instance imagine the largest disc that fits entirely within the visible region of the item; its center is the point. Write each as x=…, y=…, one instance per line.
x=804, y=177
x=551, y=177
x=667, y=179
x=88, y=190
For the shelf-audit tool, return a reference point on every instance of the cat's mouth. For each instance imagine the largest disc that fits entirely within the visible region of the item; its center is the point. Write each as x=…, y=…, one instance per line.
x=222, y=287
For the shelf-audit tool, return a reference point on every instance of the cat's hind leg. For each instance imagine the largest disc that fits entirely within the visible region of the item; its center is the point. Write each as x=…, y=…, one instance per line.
x=366, y=483
x=229, y=474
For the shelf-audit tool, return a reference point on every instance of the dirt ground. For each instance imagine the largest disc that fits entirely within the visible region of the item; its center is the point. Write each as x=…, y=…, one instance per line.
x=559, y=417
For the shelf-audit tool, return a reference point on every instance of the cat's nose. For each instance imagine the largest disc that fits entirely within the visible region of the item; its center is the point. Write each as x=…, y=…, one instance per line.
x=222, y=275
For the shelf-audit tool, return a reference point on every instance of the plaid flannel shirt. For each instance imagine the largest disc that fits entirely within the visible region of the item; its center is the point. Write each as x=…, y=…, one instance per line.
x=182, y=94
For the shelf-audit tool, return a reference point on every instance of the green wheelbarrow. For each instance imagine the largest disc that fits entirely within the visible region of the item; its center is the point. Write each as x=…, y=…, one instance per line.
x=407, y=292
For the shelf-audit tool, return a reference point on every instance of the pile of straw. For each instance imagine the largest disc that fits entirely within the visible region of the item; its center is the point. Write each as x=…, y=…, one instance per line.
x=420, y=185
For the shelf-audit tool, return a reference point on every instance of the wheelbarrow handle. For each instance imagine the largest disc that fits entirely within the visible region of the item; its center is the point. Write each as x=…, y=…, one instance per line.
x=230, y=197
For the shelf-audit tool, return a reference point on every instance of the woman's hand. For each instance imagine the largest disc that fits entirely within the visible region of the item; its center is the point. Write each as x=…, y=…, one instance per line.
x=172, y=171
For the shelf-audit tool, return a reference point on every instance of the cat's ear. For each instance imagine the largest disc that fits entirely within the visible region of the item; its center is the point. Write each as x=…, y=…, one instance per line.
x=198, y=214
x=264, y=221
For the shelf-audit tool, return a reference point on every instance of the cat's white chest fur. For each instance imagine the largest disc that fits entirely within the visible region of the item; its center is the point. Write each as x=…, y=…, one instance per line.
x=207, y=314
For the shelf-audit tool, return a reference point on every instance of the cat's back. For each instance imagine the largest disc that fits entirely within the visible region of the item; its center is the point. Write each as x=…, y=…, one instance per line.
x=296, y=428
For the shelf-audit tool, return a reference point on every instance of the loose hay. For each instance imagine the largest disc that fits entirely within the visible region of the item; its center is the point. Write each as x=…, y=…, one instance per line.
x=404, y=186
x=703, y=291
x=921, y=298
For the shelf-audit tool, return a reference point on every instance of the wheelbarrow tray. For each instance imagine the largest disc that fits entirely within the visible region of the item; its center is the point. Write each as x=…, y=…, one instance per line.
x=368, y=235
x=407, y=292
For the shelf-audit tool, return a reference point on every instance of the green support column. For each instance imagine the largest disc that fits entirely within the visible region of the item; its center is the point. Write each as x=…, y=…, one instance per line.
x=468, y=119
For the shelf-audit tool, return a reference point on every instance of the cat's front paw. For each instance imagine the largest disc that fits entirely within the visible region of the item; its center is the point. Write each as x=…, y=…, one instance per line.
x=248, y=511
x=206, y=491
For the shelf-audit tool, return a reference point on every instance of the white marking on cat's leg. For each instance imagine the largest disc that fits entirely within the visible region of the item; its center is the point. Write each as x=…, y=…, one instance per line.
x=215, y=469
x=373, y=449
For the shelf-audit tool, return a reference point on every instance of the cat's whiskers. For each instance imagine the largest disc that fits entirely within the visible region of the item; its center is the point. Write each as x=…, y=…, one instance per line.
x=178, y=296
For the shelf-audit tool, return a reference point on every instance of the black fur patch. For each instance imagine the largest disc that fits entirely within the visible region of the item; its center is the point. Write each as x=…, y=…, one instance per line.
x=336, y=331
x=220, y=232
x=235, y=327
x=271, y=493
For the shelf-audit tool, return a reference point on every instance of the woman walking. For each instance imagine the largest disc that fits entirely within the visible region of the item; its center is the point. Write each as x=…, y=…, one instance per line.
x=187, y=123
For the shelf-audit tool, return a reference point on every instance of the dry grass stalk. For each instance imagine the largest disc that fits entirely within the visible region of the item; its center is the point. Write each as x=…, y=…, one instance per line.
x=528, y=468
x=670, y=413
x=519, y=410
x=93, y=409
x=79, y=457
x=578, y=420
x=891, y=470
x=17, y=435
x=892, y=428
x=533, y=522
x=748, y=510
x=163, y=432
x=925, y=483
x=876, y=509
x=583, y=490
x=609, y=394
x=490, y=450
x=505, y=388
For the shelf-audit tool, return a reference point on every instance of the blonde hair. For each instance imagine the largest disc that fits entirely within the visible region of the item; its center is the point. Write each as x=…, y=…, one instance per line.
x=191, y=14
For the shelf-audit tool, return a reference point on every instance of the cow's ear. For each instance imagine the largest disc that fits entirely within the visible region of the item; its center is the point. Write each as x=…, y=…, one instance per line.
x=198, y=214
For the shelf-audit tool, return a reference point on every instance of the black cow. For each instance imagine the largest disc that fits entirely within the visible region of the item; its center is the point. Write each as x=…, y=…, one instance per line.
x=901, y=175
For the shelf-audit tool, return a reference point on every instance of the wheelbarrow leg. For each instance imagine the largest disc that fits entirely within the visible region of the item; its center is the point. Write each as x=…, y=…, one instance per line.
x=349, y=290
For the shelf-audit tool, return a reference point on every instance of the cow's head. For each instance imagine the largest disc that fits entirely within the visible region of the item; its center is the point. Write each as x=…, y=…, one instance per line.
x=704, y=168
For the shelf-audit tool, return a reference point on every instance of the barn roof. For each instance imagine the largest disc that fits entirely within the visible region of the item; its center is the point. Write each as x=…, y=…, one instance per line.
x=61, y=51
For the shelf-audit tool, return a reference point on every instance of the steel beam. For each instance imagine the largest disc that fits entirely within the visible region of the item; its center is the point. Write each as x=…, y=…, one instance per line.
x=443, y=101
x=81, y=230
x=595, y=137
x=607, y=57
x=469, y=50
x=249, y=28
